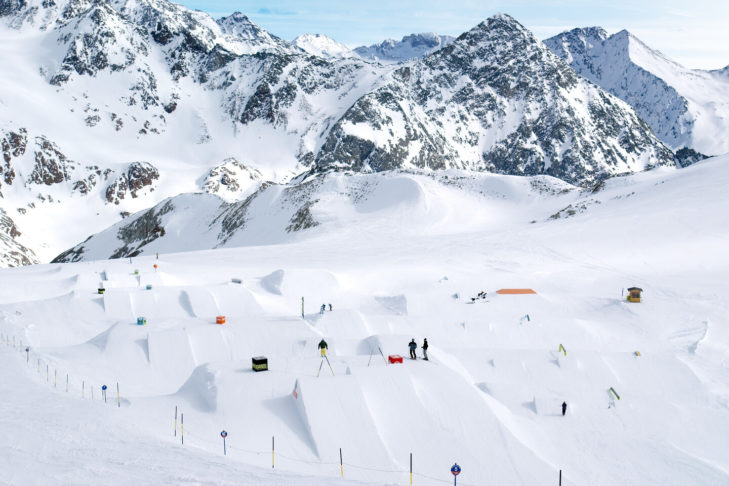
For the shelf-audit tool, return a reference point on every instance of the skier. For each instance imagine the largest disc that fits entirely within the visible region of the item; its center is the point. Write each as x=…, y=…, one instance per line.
x=322, y=308
x=564, y=408
x=413, y=346
x=330, y=307
x=323, y=347
x=425, y=349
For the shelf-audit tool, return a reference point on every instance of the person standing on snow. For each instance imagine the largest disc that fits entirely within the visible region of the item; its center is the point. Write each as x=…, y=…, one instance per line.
x=330, y=307
x=323, y=347
x=564, y=408
x=322, y=308
x=425, y=349
x=413, y=346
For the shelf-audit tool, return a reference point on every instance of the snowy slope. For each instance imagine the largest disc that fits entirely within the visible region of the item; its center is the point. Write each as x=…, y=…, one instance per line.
x=322, y=46
x=407, y=267
x=413, y=46
x=684, y=107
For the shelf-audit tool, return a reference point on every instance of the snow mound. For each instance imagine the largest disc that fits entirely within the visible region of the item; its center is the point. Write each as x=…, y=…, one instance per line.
x=394, y=304
x=200, y=390
x=272, y=282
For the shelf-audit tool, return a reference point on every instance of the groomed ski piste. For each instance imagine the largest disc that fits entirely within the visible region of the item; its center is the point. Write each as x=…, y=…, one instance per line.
x=489, y=398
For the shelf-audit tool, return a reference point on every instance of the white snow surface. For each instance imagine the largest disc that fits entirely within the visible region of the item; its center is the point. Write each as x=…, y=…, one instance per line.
x=490, y=396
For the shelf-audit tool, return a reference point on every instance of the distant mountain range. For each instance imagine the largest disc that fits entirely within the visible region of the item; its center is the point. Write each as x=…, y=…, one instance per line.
x=412, y=46
x=109, y=107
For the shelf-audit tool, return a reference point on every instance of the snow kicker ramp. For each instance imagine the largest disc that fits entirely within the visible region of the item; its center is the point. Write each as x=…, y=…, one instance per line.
x=179, y=302
x=379, y=415
x=413, y=402
x=336, y=415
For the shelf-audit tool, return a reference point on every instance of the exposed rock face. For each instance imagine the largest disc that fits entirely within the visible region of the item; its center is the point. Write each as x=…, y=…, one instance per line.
x=51, y=165
x=687, y=156
x=231, y=179
x=137, y=176
x=12, y=253
x=13, y=145
x=142, y=231
x=494, y=99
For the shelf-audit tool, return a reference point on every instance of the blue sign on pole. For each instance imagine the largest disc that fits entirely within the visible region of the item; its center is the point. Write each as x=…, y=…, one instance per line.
x=455, y=470
x=224, y=434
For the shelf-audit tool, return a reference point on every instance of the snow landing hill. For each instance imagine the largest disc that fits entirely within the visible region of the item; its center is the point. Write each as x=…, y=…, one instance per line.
x=413, y=252
x=110, y=107
x=684, y=107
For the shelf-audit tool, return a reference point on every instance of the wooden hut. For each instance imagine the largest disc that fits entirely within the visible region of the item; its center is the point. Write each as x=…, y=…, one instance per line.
x=634, y=294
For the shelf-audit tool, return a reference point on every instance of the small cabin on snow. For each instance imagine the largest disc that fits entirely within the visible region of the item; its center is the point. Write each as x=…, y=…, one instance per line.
x=634, y=294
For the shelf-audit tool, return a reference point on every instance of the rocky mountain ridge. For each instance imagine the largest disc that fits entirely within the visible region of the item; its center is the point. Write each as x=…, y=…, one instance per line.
x=149, y=100
x=413, y=46
x=684, y=107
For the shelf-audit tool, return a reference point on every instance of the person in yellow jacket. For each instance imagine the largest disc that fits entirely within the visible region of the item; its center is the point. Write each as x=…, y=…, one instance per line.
x=323, y=347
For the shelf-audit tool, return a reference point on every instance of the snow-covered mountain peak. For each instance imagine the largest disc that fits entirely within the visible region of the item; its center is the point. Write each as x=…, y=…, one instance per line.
x=241, y=27
x=322, y=46
x=684, y=107
x=577, y=41
x=411, y=46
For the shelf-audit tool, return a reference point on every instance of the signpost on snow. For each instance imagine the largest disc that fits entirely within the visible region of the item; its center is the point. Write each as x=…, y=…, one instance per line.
x=455, y=470
x=302, y=307
x=27, y=355
x=103, y=392
x=224, y=434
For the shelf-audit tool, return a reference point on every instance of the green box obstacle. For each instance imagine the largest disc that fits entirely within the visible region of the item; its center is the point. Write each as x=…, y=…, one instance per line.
x=260, y=363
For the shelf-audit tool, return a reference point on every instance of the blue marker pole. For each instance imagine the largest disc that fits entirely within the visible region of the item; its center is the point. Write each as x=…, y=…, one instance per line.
x=455, y=470
x=103, y=392
x=224, y=434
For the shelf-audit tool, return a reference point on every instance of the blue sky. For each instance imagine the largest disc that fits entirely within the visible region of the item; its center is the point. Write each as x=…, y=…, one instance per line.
x=695, y=33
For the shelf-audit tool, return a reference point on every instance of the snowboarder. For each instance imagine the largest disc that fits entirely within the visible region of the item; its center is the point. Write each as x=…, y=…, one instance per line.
x=564, y=408
x=323, y=347
x=330, y=307
x=413, y=346
x=425, y=349
x=322, y=308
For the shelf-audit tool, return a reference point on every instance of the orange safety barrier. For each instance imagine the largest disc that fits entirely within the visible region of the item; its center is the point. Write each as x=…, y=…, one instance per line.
x=515, y=291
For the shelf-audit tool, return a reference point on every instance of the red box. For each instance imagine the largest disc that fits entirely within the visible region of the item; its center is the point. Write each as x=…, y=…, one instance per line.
x=395, y=358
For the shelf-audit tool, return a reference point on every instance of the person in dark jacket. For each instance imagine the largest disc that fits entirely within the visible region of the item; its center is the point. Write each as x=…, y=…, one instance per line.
x=425, y=349
x=413, y=346
x=323, y=347
x=564, y=408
